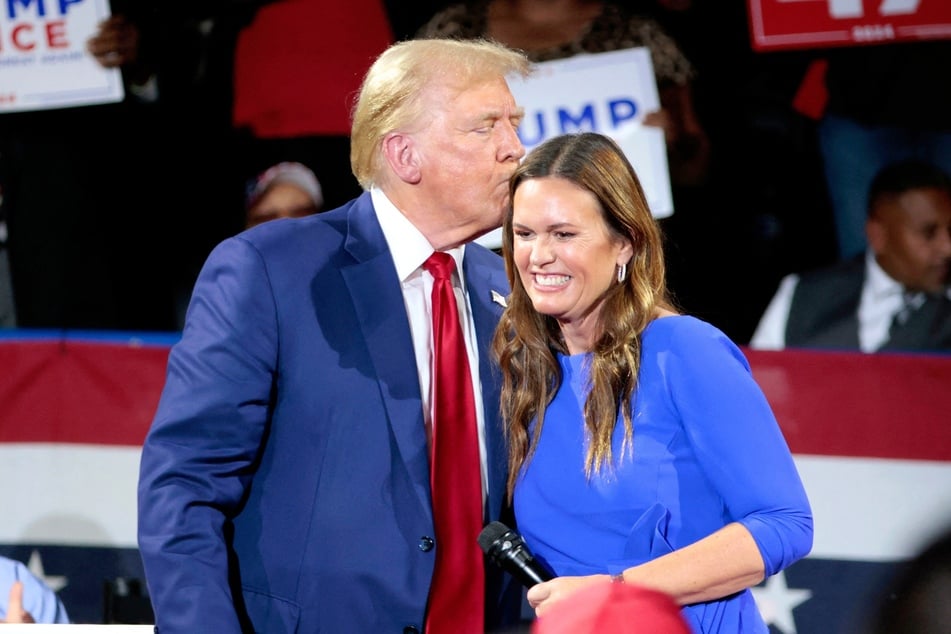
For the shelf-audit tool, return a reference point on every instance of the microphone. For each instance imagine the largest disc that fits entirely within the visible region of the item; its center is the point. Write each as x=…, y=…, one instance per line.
x=507, y=549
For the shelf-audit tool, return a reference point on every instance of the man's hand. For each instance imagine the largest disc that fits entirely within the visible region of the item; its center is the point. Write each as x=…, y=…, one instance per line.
x=15, y=611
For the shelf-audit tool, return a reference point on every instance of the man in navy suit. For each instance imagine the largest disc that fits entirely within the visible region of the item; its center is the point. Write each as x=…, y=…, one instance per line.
x=285, y=482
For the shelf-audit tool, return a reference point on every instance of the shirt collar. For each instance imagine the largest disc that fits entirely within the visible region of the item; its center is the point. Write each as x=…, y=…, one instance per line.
x=879, y=282
x=409, y=248
x=883, y=285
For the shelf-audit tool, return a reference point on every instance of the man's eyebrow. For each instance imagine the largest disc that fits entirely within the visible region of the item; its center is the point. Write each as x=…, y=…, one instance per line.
x=493, y=115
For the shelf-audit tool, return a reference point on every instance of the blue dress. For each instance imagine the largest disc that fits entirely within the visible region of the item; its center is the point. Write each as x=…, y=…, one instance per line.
x=707, y=451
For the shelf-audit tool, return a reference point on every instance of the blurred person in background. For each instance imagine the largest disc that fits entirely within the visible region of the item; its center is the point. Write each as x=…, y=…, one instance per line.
x=550, y=30
x=86, y=231
x=285, y=190
x=916, y=599
x=894, y=296
x=24, y=598
x=880, y=104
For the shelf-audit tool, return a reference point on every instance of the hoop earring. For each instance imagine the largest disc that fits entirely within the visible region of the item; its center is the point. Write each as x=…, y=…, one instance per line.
x=621, y=272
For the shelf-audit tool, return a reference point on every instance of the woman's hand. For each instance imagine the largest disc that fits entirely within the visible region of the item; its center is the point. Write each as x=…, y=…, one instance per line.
x=544, y=595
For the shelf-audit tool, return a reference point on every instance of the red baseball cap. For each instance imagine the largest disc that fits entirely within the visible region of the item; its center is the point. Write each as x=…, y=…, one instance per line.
x=614, y=608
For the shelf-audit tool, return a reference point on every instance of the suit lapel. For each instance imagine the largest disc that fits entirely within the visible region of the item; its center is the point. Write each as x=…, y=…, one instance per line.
x=486, y=284
x=381, y=315
x=381, y=319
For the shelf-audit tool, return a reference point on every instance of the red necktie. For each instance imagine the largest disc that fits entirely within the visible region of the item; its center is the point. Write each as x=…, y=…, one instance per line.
x=456, y=598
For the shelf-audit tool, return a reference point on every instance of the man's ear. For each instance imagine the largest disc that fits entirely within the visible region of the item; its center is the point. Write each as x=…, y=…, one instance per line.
x=399, y=150
x=875, y=234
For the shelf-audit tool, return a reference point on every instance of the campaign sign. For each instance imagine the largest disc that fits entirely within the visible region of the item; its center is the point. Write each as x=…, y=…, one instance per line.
x=43, y=58
x=801, y=24
x=610, y=93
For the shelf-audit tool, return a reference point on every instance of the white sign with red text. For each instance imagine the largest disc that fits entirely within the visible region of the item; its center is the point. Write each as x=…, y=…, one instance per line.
x=802, y=24
x=610, y=93
x=43, y=58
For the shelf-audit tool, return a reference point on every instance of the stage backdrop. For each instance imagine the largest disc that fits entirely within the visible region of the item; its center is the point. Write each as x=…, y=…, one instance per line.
x=869, y=434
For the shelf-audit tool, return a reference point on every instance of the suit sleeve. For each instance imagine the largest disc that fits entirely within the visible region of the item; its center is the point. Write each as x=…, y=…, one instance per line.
x=739, y=444
x=200, y=453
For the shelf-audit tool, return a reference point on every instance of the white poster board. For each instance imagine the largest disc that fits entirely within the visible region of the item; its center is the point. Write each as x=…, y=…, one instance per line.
x=43, y=58
x=610, y=93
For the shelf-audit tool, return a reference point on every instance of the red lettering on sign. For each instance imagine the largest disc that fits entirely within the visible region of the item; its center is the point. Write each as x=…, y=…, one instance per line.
x=27, y=36
x=15, y=34
x=56, y=34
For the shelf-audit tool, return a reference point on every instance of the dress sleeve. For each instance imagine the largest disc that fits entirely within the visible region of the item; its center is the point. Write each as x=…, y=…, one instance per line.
x=738, y=443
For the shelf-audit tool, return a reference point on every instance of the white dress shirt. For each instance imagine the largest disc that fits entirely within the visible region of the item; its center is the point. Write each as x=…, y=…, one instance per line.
x=882, y=297
x=410, y=249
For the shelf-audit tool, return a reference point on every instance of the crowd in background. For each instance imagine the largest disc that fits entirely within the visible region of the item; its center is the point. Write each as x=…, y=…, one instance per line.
x=110, y=210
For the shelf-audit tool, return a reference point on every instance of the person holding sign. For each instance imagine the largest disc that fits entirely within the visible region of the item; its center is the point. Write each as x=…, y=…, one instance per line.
x=548, y=30
x=641, y=449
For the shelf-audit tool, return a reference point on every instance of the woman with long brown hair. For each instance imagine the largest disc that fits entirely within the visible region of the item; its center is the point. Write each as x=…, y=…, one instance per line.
x=641, y=448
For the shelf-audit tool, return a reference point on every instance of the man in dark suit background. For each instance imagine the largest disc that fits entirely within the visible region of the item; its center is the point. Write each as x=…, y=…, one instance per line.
x=285, y=481
x=894, y=297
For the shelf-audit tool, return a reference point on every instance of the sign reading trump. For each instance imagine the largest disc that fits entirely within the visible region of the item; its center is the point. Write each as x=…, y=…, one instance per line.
x=610, y=93
x=43, y=58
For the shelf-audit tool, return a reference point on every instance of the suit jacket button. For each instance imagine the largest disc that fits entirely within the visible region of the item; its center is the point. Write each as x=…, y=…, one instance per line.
x=410, y=629
x=426, y=544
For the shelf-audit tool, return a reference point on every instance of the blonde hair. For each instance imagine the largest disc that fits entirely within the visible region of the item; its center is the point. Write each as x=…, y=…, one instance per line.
x=391, y=94
x=526, y=341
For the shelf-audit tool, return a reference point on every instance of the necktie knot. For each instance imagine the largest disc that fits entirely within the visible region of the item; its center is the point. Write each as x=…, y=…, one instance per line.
x=912, y=301
x=440, y=265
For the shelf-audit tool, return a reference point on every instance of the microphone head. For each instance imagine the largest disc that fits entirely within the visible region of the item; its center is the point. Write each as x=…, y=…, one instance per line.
x=507, y=549
x=491, y=534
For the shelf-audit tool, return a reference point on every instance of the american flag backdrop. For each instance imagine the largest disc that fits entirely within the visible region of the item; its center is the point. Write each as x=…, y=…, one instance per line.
x=870, y=434
x=74, y=411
